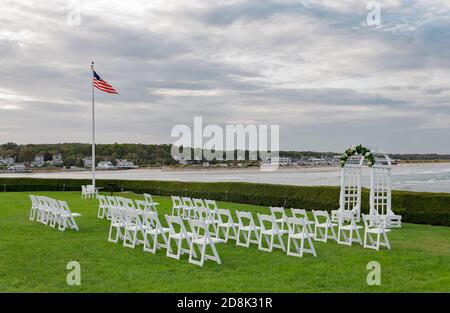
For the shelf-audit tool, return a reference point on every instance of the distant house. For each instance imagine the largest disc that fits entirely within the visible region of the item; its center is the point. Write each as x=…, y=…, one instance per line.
x=18, y=168
x=7, y=161
x=57, y=160
x=87, y=162
x=283, y=161
x=121, y=163
x=105, y=165
x=38, y=161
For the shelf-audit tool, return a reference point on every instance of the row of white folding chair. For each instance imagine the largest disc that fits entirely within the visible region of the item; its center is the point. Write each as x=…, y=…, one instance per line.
x=108, y=202
x=134, y=227
x=187, y=207
x=269, y=233
x=52, y=212
x=88, y=192
x=348, y=229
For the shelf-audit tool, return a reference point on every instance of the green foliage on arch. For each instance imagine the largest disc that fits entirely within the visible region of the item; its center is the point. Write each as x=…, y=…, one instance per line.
x=358, y=150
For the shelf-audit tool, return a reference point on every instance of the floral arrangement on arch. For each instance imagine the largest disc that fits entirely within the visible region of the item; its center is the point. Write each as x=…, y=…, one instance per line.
x=359, y=150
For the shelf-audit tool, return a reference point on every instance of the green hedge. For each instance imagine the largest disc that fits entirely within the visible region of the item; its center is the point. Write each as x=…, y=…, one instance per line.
x=415, y=207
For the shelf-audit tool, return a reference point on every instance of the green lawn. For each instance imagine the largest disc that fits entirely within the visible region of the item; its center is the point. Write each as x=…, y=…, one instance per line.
x=33, y=258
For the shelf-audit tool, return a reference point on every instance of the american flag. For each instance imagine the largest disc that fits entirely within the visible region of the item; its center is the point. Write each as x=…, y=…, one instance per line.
x=103, y=85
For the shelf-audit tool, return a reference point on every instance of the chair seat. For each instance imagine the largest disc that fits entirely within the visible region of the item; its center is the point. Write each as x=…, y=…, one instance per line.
x=377, y=230
x=157, y=230
x=228, y=225
x=351, y=227
x=180, y=235
x=250, y=228
x=269, y=232
x=325, y=225
x=302, y=235
x=202, y=240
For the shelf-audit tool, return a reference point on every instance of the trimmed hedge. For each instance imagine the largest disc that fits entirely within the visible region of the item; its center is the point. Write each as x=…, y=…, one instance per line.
x=415, y=207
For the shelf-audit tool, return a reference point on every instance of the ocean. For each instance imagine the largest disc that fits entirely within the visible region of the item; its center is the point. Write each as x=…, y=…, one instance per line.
x=431, y=177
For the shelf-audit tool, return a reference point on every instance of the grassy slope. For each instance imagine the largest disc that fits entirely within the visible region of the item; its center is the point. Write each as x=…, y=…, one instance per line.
x=33, y=257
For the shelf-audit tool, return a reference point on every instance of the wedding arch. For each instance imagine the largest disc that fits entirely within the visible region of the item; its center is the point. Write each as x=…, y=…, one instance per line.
x=352, y=162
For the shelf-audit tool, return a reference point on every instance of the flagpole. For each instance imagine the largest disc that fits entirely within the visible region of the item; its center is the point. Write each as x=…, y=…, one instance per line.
x=93, y=129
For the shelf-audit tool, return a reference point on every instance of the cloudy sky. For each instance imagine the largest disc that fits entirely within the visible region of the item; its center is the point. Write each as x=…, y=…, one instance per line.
x=313, y=67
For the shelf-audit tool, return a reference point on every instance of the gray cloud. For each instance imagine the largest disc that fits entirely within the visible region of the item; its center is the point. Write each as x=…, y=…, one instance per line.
x=313, y=67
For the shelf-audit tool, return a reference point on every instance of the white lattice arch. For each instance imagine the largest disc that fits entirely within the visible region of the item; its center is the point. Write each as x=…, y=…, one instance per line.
x=380, y=188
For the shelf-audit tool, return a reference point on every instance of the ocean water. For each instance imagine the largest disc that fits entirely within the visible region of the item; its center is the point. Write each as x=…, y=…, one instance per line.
x=432, y=177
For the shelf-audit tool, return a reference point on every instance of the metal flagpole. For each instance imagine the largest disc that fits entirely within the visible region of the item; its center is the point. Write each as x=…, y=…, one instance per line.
x=93, y=129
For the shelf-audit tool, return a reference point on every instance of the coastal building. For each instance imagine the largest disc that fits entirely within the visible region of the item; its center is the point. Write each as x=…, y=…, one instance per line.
x=87, y=162
x=38, y=161
x=18, y=168
x=7, y=161
x=57, y=160
x=123, y=164
x=105, y=165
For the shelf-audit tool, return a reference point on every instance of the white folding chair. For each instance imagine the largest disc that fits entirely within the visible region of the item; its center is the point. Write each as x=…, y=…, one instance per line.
x=34, y=207
x=176, y=205
x=67, y=217
x=117, y=224
x=54, y=212
x=299, y=231
x=301, y=213
x=347, y=223
x=152, y=231
x=148, y=198
x=323, y=225
x=280, y=216
x=83, y=192
x=112, y=204
x=102, y=206
x=179, y=236
x=204, y=214
x=202, y=239
x=44, y=205
x=226, y=224
x=144, y=206
x=212, y=206
x=187, y=208
x=269, y=232
x=132, y=229
x=247, y=226
x=375, y=226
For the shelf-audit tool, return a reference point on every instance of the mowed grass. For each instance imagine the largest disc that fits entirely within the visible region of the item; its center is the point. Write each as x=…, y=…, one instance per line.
x=33, y=258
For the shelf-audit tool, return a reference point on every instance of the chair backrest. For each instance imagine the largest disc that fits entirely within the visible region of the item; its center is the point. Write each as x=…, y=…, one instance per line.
x=200, y=230
x=245, y=218
x=346, y=217
x=204, y=214
x=268, y=222
x=83, y=188
x=34, y=201
x=224, y=216
x=372, y=220
x=278, y=212
x=143, y=205
x=64, y=206
x=112, y=201
x=296, y=225
x=198, y=203
x=321, y=216
x=173, y=221
x=151, y=219
x=132, y=218
x=176, y=201
x=148, y=198
x=299, y=213
x=211, y=204
x=102, y=200
x=187, y=202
